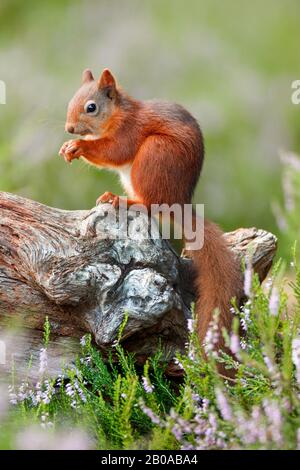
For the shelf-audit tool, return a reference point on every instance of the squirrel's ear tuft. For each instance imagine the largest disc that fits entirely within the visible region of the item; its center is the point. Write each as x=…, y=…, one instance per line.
x=107, y=80
x=87, y=76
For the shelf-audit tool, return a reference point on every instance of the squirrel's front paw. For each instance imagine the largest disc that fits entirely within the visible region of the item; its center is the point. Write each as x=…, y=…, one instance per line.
x=71, y=149
x=110, y=198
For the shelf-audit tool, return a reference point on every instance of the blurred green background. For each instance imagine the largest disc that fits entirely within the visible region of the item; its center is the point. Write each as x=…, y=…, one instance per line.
x=231, y=63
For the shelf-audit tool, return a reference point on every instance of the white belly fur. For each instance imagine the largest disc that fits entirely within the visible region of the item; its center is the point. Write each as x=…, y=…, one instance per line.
x=124, y=173
x=125, y=178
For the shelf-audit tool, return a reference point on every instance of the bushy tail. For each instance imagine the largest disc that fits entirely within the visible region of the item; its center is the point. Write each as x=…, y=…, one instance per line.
x=218, y=280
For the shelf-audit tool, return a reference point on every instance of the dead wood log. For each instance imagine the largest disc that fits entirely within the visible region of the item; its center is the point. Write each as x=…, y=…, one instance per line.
x=85, y=269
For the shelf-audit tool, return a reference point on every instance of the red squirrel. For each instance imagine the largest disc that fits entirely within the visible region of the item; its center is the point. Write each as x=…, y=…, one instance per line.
x=157, y=148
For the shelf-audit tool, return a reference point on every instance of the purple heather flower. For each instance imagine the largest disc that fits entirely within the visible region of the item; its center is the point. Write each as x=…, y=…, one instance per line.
x=268, y=283
x=248, y=280
x=251, y=429
x=290, y=159
x=223, y=405
x=178, y=363
x=13, y=398
x=79, y=391
x=274, y=302
x=33, y=437
x=192, y=353
x=234, y=343
x=245, y=315
x=148, y=387
x=45, y=423
x=273, y=414
x=177, y=432
x=190, y=325
x=212, y=336
x=150, y=413
x=43, y=361
x=289, y=192
x=69, y=390
x=196, y=398
x=280, y=218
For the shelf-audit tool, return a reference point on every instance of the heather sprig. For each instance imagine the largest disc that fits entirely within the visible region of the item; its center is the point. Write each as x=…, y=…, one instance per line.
x=124, y=405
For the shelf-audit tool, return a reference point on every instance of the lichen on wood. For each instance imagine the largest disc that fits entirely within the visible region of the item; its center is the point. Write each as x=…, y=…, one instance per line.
x=79, y=269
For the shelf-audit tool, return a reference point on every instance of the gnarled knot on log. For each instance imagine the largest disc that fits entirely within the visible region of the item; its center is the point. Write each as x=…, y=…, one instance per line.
x=85, y=269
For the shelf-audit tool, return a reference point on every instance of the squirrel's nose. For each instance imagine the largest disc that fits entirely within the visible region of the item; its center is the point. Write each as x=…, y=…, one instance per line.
x=70, y=129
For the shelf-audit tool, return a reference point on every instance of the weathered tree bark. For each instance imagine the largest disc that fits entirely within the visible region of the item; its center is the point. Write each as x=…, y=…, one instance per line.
x=86, y=269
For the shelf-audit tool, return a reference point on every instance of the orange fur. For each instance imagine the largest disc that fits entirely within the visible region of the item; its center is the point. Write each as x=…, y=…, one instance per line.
x=164, y=144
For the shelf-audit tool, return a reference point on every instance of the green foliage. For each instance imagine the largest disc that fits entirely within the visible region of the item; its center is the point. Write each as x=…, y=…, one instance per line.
x=213, y=57
x=121, y=405
x=46, y=332
x=244, y=115
x=287, y=213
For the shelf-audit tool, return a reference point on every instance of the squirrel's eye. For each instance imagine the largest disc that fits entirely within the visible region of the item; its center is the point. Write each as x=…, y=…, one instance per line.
x=91, y=107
